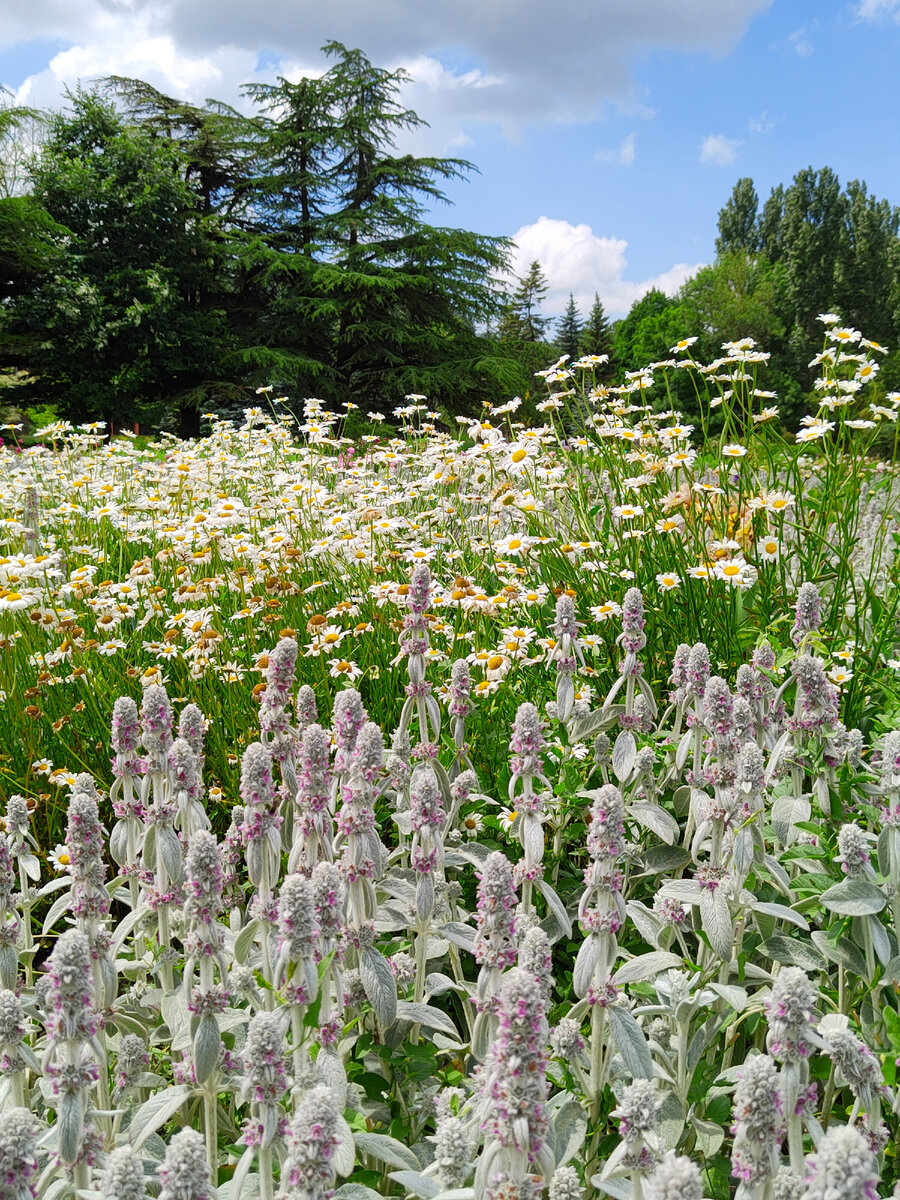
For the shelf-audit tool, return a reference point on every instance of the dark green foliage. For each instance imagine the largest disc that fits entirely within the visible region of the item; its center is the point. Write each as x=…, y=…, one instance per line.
x=597, y=334
x=522, y=320
x=738, y=229
x=568, y=331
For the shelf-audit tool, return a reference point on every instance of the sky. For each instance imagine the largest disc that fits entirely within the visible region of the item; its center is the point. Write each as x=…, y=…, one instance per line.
x=607, y=134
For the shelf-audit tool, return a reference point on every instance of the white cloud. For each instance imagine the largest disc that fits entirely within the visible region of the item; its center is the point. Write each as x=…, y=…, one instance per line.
x=516, y=66
x=801, y=43
x=622, y=157
x=761, y=124
x=575, y=259
x=874, y=10
x=719, y=150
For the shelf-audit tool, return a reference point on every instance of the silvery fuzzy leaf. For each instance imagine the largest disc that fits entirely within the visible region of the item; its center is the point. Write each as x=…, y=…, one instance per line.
x=9, y=966
x=403, y=821
x=779, y=875
x=356, y=1191
x=585, y=964
x=793, y=952
x=844, y=952
x=424, y=899
x=684, y=748
x=69, y=1126
x=715, y=919
x=619, y=1187
x=742, y=851
x=853, y=898
x=169, y=851
x=646, y=966
x=330, y=1067
x=423, y=1186
x=555, y=906
x=787, y=811
x=881, y=940
x=148, y=853
x=623, y=755
x=730, y=992
x=686, y=891
x=427, y=1016
x=569, y=1128
x=207, y=1042
x=782, y=913
x=662, y=859
x=235, y=1186
x=532, y=835
x=656, y=819
x=645, y=921
x=56, y=910
x=387, y=1150
x=379, y=984
x=436, y=984
x=482, y=1034
x=343, y=1157
x=710, y=1136
x=460, y=935
x=156, y=1111
x=885, y=844
x=704, y=1038
x=775, y=757
x=630, y=1042
x=244, y=941
x=565, y=697
x=31, y=865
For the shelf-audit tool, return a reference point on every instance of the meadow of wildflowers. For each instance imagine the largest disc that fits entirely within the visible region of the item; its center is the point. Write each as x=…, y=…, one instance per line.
x=479, y=811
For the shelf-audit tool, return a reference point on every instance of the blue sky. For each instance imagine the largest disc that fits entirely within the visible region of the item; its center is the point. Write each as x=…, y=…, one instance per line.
x=608, y=133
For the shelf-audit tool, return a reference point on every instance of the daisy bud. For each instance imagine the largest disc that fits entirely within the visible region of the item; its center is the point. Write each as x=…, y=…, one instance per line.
x=18, y=1154
x=675, y=1178
x=122, y=1178
x=184, y=1173
x=808, y=612
x=308, y=1171
x=842, y=1166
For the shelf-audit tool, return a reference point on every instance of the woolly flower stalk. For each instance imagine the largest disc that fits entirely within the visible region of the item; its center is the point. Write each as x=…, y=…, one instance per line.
x=564, y=1185
x=638, y=1114
x=414, y=644
x=298, y=936
x=674, y=1178
x=186, y=783
x=261, y=824
x=126, y=736
x=808, y=613
x=305, y=706
x=18, y=1154
x=858, y=1067
x=759, y=1125
x=265, y=1081
x=632, y=639
x=348, y=718
x=536, y=957
x=328, y=899
x=790, y=1040
x=308, y=1172
x=566, y=652
x=313, y=822
x=192, y=729
x=816, y=706
x=459, y=704
x=184, y=1172
x=495, y=942
x=273, y=717
x=842, y=1167
x=527, y=769
x=426, y=812
x=87, y=865
x=156, y=725
x=854, y=850
x=513, y=1088
x=122, y=1178
x=361, y=859
x=452, y=1151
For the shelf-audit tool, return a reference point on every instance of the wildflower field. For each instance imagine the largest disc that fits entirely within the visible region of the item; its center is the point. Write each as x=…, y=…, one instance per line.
x=465, y=811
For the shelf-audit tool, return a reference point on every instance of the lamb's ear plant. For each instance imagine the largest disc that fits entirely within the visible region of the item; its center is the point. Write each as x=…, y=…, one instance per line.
x=311, y=960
